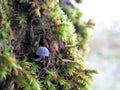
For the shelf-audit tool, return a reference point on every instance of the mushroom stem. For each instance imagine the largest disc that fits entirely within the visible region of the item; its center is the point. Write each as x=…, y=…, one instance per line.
x=37, y=59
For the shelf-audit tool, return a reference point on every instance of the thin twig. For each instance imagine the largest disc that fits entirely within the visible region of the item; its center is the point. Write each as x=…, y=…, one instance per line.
x=70, y=61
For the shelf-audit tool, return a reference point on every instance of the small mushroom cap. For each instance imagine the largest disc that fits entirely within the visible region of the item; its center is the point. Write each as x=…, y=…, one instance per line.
x=42, y=51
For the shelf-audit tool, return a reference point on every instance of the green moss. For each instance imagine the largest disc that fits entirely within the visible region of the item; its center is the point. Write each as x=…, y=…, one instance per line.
x=59, y=29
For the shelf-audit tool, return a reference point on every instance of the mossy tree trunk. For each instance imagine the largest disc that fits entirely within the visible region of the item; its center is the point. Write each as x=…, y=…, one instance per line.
x=26, y=25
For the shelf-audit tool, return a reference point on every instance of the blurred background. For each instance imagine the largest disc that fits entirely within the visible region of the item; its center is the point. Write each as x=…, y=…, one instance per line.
x=104, y=54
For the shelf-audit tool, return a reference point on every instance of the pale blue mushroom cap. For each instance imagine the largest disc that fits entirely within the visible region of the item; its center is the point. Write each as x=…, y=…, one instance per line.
x=42, y=51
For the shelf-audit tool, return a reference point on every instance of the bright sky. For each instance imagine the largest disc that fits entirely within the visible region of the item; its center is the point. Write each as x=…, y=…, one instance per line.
x=101, y=10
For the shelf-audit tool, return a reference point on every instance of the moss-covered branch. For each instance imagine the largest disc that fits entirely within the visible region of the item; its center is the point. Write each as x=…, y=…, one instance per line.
x=26, y=25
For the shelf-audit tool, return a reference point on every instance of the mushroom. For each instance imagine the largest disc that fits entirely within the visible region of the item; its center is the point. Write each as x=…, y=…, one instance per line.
x=42, y=52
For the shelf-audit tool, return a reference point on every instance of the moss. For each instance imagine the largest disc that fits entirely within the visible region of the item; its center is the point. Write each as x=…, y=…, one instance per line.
x=27, y=25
